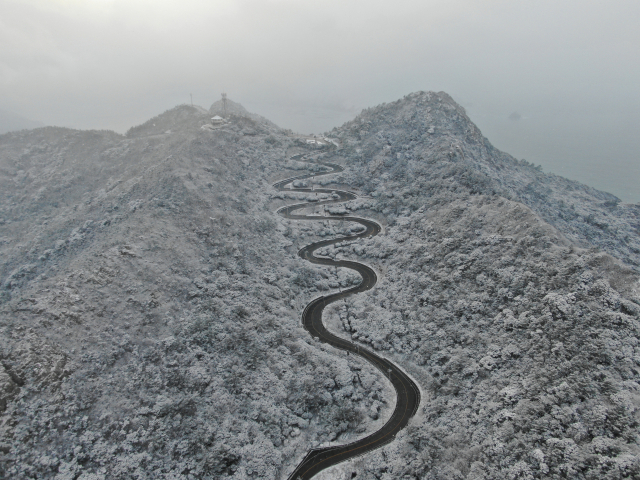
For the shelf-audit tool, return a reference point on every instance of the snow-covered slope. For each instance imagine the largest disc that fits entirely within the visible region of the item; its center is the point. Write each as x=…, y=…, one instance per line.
x=150, y=302
x=424, y=145
x=498, y=296
x=151, y=299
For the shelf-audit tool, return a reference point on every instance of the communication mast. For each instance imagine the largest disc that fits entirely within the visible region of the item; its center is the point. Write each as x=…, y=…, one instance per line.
x=224, y=103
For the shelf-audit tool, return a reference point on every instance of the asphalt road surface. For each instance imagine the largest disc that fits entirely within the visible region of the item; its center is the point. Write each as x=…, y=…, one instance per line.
x=407, y=392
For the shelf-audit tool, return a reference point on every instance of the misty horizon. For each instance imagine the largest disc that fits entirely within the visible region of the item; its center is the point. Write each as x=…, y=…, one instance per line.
x=568, y=70
x=582, y=157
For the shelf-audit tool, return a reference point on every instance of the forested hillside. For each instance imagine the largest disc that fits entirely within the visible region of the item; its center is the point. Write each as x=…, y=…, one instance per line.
x=151, y=301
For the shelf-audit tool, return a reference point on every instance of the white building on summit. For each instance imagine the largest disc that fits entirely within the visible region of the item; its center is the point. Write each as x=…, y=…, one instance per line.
x=217, y=120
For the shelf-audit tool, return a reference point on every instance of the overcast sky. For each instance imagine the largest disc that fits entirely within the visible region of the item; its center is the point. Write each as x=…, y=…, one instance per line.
x=570, y=68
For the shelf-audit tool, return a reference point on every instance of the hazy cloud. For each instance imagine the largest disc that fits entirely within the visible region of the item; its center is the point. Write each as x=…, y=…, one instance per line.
x=312, y=65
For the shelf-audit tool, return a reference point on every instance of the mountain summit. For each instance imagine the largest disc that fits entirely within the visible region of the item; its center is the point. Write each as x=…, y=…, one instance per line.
x=234, y=108
x=426, y=142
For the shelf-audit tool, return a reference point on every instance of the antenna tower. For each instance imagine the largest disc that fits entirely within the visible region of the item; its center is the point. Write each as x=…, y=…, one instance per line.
x=224, y=102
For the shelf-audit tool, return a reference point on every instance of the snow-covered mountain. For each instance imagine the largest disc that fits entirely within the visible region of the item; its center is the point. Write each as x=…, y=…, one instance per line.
x=426, y=143
x=151, y=300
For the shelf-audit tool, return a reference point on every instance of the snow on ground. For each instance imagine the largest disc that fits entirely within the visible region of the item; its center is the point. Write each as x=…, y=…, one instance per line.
x=151, y=299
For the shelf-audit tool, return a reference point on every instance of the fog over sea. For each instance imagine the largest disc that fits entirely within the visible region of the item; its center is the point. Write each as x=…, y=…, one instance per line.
x=606, y=157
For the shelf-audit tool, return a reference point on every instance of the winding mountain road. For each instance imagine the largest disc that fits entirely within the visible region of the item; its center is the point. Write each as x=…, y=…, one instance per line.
x=407, y=392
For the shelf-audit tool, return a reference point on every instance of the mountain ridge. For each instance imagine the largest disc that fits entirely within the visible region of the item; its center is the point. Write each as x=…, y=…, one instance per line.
x=586, y=215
